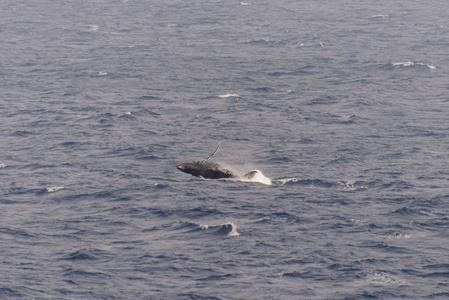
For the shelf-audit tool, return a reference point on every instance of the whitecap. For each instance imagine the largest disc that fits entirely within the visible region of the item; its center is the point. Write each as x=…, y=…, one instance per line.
x=102, y=73
x=399, y=235
x=128, y=113
x=94, y=27
x=412, y=64
x=228, y=95
x=233, y=231
x=204, y=226
x=351, y=185
x=403, y=64
x=2, y=166
x=220, y=228
x=53, y=189
x=382, y=278
x=357, y=221
x=286, y=180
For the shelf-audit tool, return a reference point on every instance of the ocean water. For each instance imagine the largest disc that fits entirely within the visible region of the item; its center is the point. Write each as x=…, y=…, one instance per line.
x=343, y=105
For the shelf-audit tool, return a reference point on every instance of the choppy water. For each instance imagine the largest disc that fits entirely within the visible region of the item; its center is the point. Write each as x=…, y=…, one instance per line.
x=343, y=104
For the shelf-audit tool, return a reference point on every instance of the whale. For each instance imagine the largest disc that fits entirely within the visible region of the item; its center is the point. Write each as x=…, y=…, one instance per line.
x=206, y=169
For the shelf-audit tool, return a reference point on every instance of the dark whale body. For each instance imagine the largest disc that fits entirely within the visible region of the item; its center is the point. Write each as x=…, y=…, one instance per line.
x=211, y=170
x=206, y=169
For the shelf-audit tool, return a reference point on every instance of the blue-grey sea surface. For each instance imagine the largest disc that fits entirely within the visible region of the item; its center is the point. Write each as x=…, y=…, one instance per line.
x=344, y=105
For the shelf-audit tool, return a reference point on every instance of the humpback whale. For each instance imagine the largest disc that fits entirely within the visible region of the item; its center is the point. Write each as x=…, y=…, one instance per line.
x=211, y=170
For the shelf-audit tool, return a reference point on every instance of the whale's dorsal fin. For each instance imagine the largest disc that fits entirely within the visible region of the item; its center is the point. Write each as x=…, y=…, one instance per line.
x=213, y=153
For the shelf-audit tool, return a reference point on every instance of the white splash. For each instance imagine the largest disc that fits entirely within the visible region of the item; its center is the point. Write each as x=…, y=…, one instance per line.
x=257, y=177
x=228, y=95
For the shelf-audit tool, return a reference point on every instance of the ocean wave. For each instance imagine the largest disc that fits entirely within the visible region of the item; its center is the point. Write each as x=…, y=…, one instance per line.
x=17, y=232
x=407, y=211
x=9, y=293
x=87, y=254
x=71, y=272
